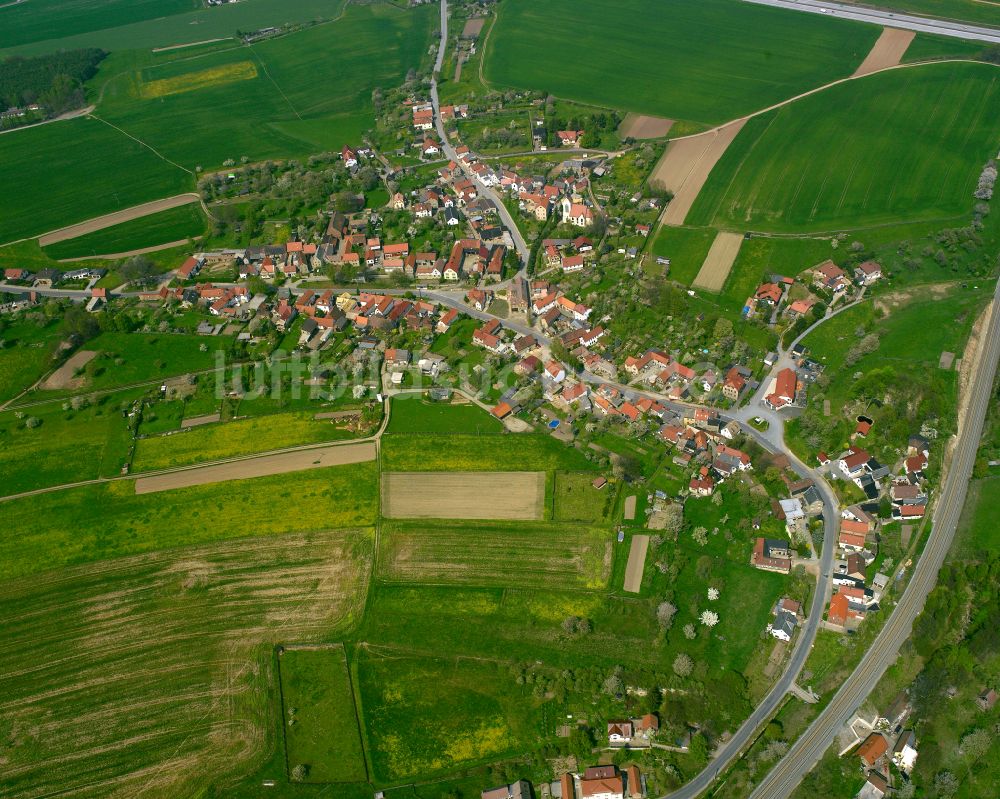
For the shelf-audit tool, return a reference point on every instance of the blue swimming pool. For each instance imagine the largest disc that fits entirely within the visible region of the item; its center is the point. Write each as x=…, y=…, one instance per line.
x=553, y=424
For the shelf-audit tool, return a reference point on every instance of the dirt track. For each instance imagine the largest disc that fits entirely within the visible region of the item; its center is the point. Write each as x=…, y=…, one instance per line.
x=886, y=52
x=281, y=463
x=636, y=563
x=463, y=495
x=640, y=126
x=109, y=220
x=686, y=164
x=63, y=377
x=721, y=256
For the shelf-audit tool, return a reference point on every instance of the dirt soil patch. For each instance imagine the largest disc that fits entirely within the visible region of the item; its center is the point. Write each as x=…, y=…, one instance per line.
x=886, y=52
x=110, y=220
x=630, y=508
x=262, y=466
x=63, y=377
x=686, y=164
x=463, y=495
x=720, y=259
x=195, y=421
x=640, y=126
x=897, y=299
x=636, y=563
x=473, y=27
x=946, y=360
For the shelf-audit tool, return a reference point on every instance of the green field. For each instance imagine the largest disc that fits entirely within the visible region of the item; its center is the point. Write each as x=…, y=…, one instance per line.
x=686, y=248
x=576, y=499
x=902, y=145
x=42, y=26
x=149, y=676
x=425, y=716
x=321, y=722
x=688, y=61
x=66, y=445
x=26, y=354
x=75, y=170
x=412, y=415
x=93, y=523
x=489, y=452
x=494, y=553
x=231, y=439
x=176, y=224
x=983, y=13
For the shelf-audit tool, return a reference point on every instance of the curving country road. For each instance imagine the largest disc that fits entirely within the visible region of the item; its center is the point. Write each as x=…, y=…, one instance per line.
x=892, y=19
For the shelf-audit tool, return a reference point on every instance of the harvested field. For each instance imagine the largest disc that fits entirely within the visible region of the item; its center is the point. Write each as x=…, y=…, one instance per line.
x=195, y=421
x=636, y=563
x=281, y=463
x=463, y=495
x=63, y=377
x=117, y=218
x=524, y=555
x=886, y=52
x=473, y=27
x=686, y=165
x=720, y=259
x=148, y=675
x=641, y=126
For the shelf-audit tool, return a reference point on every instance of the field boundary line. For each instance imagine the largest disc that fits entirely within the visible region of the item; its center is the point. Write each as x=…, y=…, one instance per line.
x=274, y=83
x=148, y=146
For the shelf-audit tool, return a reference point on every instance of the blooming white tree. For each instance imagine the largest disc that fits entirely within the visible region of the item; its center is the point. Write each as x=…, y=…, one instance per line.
x=713, y=594
x=709, y=619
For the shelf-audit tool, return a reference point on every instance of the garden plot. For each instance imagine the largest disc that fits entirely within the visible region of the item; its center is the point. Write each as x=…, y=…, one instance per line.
x=463, y=495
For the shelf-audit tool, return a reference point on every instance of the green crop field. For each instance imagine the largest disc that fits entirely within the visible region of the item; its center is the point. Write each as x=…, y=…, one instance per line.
x=425, y=716
x=976, y=11
x=688, y=61
x=686, y=248
x=65, y=446
x=410, y=414
x=321, y=722
x=75, y=170
x=148, y=675
x=43, y=26
x=175, y=224
x=490, y=452
x=903, y=145
x=493, y=553
x=94, y=523
x=231, y=439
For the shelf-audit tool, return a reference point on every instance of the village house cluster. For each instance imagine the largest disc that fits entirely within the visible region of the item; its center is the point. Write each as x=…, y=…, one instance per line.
x=595, y=782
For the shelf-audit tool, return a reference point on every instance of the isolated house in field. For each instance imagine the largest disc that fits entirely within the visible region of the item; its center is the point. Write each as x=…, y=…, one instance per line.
x=868, y=272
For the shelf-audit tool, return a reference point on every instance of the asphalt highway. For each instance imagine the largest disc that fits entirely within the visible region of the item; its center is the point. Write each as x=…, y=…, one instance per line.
x=891, y=19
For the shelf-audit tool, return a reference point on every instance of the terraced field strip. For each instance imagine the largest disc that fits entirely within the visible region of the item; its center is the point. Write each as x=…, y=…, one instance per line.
x=116, y=218
x=463, y=495
x=720, y=259
x=262, y=466
x=488, y=554
x=686, y=165
x=636, y=563
x=887, y=52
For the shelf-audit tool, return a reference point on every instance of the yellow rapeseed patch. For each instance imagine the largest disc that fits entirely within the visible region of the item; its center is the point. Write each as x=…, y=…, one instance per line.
x=192, y=81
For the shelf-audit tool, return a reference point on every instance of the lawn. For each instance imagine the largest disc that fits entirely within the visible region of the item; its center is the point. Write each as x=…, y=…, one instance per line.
x=494, y=553
x=75, y=170
x=151, y=673
x=66, y=445
x=902, y=145
x=411, y=414
x=231, y=439
x=26, y=354
x=432, y=452
x=42, y=26
x=686, y=248
x=428, y=716
x=320, y=718
x=93, y=523
x=687, y=61
x=977, y=531
x=576, y=499
x=175, y=224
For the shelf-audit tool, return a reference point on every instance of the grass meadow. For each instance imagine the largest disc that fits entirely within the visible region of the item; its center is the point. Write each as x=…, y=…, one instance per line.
x=148, y=675
x=902, y=145
x=231, y=439
x=175, y=224
x=320, y=717
x=490, y=452
x=686, y=61
x=26, y=354
x=75, y=170
x=686, y=248
x=494, y=553
x=410, y=414
x=93, y=523
x=576, y=499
